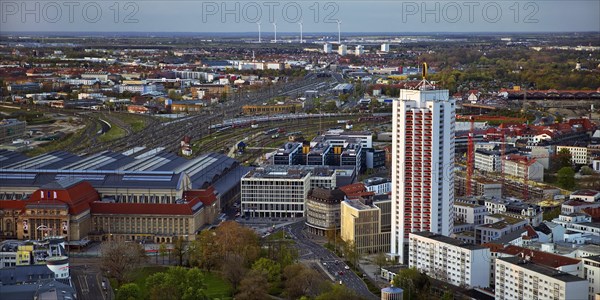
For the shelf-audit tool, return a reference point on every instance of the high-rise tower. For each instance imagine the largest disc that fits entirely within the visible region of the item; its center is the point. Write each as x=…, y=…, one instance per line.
x=423, y=163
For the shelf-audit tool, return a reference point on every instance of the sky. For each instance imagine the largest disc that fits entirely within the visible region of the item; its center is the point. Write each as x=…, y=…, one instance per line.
x=315, y=16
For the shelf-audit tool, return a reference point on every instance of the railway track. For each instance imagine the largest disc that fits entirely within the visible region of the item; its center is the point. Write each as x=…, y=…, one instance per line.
x=196, y=126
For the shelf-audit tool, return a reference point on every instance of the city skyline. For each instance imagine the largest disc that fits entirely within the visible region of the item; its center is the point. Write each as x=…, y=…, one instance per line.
x=356, y=17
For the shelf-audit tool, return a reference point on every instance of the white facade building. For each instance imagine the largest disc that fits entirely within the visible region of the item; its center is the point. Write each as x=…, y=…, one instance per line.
x=327, y=48
x=269, y=193
x=378, y=185
x=591, y=272
x=422, y=164
x=579, y=155
x=385, y=47
x=342, y=50
x=469, y=212
x=359, y=50
x=518, y=166
x=518, y=278
x=449, y=259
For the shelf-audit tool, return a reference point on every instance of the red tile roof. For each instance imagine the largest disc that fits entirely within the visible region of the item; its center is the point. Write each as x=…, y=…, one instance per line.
x=206, y=196
x=594, y=212
x=78, y=197
x=538, y=257
x=531, y=233
x=13, y=204
x=356, y=190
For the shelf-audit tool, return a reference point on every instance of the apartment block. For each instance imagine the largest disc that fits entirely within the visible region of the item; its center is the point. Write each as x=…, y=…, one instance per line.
x=521, y=166
x=423, y=128
x=579, y=155
x=449, y=259
x=520, y=278
x=591, y=272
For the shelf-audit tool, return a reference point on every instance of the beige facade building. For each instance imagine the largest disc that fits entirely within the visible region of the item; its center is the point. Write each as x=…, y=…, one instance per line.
x=367, y=225
x=323, y=210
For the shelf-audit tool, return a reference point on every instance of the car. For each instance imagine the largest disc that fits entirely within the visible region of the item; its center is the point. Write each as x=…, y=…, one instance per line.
x=324, y=263
x=340, y=282
x=347, y=268
x=341, y=272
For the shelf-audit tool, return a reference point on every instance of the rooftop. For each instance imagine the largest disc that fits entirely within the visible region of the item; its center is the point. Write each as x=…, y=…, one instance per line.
x=448, y=240
x=358, y=205
x=541, y=269
x=326, y=195
x=536, y=256
x=278, y=172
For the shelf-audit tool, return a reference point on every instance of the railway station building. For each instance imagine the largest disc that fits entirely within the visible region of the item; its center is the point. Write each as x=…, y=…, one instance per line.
x=153, y=197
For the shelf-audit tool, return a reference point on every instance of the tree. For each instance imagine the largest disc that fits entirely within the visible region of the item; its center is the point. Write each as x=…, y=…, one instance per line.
x=177, y=283
x=271, y=269
x=253, y=286
x=338, y=292
x=300, y=281
x=129, y=291
x=162, y=251
x=566, y=178
x=585, y=170
x=552, y=214
x=415, y=284
x=448, y=296
x=563, y=159
x=380, y=260
x=179, y=250
x=174, y=95
x=120, y=258
x=233, y=269
x=351, y=253
x=233, y=238
x=202, y=251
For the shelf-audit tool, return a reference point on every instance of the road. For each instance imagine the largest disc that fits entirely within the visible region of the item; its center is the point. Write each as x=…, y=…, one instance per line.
x=88, y=283
x=331, y=262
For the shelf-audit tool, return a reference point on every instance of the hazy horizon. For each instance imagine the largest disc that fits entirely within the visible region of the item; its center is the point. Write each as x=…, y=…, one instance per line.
x=191, y=16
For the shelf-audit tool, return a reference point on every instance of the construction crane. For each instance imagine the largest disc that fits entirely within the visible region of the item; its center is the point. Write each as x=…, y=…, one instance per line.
x=470, y=157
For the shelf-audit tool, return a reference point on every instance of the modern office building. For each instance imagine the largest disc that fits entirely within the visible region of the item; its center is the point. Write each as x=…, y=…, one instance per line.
x=449, y=260
x=422, y=164
x=327, y=48
x=378, y=185
x=326, y=150
x=520, y=278
x=275, y=192
x=364, y=225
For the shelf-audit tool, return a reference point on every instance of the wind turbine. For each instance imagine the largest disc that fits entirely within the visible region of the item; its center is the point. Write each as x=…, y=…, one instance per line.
x=275, y=30
x=339, y=32
x=300, y=23
x=258, y=23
